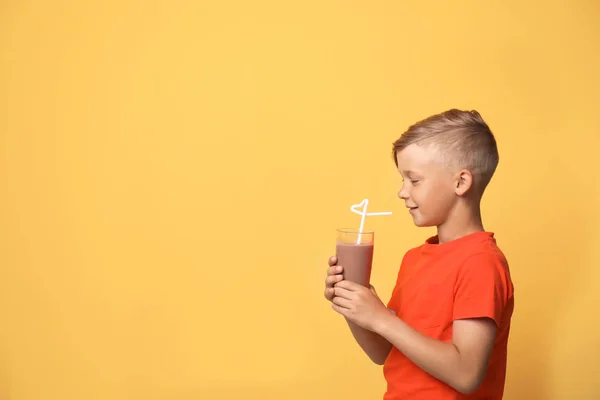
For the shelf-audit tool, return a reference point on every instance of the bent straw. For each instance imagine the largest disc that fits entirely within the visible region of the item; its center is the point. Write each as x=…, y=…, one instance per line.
x=364, y=214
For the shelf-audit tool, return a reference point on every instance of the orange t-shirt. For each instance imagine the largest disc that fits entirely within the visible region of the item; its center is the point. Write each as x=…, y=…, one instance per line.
x=437, y=284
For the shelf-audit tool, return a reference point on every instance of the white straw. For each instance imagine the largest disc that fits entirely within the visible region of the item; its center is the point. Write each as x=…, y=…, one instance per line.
x=362, y=219
x=364, y=214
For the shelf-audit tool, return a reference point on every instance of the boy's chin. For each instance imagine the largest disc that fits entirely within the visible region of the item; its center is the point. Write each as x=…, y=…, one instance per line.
x=421, y=223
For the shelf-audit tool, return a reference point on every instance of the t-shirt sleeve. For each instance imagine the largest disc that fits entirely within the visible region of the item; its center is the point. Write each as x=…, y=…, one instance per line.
x=482, y=288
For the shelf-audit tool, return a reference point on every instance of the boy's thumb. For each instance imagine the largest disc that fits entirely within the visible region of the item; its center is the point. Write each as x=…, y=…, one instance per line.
x=373, y=289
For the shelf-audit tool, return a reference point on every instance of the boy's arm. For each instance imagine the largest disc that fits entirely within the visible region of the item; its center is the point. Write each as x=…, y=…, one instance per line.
x=460, y=364
x=373, y=344
x=376, y=347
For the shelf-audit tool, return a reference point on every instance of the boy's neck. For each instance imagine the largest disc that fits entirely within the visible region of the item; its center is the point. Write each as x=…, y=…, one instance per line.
x=461, y=222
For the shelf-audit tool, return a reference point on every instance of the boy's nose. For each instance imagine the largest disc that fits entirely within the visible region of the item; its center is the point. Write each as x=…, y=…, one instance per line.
x=402, y=194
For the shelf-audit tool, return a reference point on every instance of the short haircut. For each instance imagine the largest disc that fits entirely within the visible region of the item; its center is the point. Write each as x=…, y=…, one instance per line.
x=463, y=139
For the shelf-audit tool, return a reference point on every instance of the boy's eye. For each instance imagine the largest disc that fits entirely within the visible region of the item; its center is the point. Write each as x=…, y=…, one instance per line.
x=414, y=181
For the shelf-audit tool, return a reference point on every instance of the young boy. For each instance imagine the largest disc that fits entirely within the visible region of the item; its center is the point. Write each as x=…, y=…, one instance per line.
x=444, y=332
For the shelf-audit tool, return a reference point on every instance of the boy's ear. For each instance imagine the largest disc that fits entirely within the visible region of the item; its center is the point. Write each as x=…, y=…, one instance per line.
x=463, y=182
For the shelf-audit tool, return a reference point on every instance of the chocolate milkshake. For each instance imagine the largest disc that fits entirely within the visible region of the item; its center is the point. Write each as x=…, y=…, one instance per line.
x=356, y=258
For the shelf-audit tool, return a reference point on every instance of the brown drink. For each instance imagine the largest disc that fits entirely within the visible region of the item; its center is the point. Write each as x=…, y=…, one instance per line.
x=356, y=258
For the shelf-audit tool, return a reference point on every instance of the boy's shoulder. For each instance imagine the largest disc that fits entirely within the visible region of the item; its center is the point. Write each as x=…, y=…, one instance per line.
x=479, y=248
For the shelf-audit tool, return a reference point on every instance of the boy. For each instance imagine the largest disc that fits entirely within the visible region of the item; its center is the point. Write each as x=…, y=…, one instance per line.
x=444, y=332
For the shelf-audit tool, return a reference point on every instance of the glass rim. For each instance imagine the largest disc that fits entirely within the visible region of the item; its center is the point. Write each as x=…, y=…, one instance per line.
x=354, y=231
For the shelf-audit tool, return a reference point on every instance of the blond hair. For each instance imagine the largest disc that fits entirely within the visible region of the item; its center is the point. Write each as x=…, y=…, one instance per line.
x=463, y=139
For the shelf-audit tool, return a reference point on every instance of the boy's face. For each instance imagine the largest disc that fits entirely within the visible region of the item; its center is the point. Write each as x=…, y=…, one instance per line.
x=428, y=187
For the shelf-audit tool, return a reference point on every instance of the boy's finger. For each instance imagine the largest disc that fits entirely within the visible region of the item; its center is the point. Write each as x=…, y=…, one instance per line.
x=338, y=309
x=373, y=290
x=342, y=302
x=349, y=285
x=329, y=293
x=336, y=269
x=343, y=293
x=332, y=261
x=331, y=279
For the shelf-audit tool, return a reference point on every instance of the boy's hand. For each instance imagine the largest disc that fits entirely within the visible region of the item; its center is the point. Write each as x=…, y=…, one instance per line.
x=334, y=275
x=359, y=304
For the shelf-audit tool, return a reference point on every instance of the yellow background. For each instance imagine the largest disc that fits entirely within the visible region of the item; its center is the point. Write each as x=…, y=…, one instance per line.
x=172, y=175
